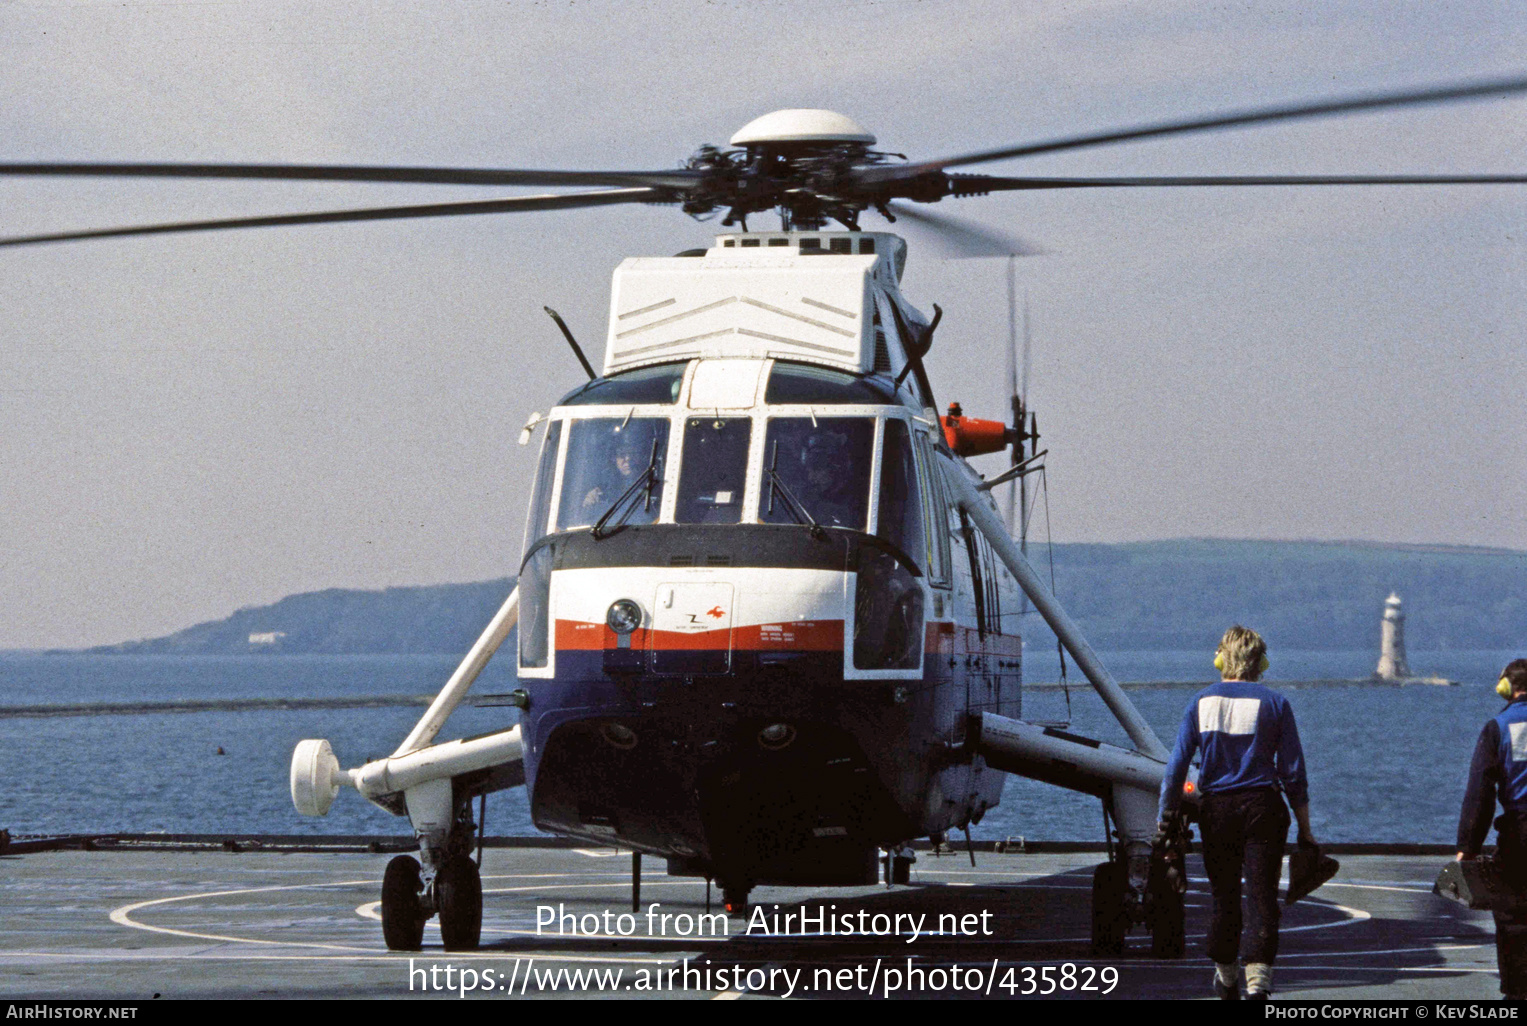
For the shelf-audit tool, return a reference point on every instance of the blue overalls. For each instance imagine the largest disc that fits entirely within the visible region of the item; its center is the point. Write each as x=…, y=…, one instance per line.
x=1251, y=759
x=1498, y=772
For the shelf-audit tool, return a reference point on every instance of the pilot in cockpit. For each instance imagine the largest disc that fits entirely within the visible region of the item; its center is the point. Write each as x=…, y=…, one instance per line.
x=614, y=482
x=829, y=486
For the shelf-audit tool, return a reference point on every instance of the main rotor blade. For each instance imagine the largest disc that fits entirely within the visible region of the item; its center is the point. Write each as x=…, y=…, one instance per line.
x=679, y=178
x=977, y=184
x=1231, y=119
x=518, y=204
x=963, y=240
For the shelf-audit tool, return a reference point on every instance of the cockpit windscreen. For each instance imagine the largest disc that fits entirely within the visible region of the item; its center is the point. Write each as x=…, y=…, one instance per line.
x=609, y=458
x=817, y=468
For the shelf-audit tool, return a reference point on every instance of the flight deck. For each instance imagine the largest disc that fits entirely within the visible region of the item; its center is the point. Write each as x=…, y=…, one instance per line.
x=138, y=919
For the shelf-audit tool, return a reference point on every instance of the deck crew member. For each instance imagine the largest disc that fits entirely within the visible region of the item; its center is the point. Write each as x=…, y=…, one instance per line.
x=1499, y=772
x=1251, y=761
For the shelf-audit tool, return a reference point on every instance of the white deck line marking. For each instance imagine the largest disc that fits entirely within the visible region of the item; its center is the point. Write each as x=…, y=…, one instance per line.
x=123, y=916
x=1386, y=951
x=372, y=909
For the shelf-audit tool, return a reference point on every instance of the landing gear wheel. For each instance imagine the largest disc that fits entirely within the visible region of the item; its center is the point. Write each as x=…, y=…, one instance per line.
x=734, y=898
x=402, y=916
x=458, y=895
x=1110, y=920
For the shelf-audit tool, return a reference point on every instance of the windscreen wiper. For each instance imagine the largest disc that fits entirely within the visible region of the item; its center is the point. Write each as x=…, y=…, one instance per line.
x=793, y=506
x=646, y=480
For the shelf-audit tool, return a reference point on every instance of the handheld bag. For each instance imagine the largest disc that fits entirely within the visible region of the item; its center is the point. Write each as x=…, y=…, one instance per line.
x=1479, y=884
x=1307, y=870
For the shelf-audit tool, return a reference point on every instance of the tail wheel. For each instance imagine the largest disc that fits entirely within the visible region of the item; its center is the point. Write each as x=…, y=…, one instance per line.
x=1110, y=919
x=458, y=895
x=402, y=915
x=734, y=898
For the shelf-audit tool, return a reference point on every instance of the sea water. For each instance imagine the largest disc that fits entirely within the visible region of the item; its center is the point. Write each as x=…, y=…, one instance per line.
x=1386, y=762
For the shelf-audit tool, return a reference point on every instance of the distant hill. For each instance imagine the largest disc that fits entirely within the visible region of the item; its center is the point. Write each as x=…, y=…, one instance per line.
x=442, y=618
x=1182, y=594
x=1178, y=594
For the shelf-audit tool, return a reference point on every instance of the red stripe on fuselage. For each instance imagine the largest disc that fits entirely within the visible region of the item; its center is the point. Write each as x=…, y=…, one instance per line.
x=791, y=636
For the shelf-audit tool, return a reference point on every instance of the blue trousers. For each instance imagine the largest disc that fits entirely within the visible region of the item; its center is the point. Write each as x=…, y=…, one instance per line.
x=1511, y=927
x=1244, y=833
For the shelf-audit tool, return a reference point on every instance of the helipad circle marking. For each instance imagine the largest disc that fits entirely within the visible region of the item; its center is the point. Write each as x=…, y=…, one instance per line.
x=123, y=917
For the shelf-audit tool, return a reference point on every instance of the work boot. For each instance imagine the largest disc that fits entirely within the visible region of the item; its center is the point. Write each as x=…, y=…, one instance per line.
x=1227, y=981
x=1258, y=981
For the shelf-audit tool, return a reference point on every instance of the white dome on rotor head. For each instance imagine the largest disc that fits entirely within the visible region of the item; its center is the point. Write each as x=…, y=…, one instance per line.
x=798, y=125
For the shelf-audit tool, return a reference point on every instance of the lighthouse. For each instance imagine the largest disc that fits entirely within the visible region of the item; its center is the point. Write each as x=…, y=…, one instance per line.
x=1392, y=664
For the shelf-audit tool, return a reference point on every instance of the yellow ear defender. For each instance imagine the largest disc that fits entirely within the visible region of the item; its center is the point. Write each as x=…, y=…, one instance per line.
x=1219, y=664
x=1503, y=688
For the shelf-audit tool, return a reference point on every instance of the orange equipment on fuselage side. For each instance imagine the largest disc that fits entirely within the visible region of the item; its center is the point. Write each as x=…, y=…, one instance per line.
x=969, y=436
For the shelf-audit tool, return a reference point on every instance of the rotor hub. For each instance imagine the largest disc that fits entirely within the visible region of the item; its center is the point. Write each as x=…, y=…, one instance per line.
x=801, y=126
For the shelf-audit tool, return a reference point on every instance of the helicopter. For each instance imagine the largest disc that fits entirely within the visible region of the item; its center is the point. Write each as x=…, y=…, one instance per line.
x=766, y=609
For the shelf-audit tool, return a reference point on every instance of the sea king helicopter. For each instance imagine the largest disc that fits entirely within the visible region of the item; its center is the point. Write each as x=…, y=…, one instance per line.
x=766, y=609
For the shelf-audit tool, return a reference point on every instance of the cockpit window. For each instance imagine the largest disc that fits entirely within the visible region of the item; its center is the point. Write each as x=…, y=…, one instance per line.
x=609, y=458
x=659, y=384
x=540, y=503
x=817, y=470
x=715, y=470
x=799, y=383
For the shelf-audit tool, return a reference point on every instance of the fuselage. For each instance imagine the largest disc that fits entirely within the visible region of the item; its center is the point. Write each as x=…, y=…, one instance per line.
x=752, y=622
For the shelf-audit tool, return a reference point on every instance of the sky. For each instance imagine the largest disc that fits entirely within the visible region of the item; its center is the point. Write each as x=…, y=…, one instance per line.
x=192, y=424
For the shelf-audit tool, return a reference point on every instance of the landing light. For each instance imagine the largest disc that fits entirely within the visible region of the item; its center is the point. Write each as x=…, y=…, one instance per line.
x=776, y=735
x=621, y=737
x=624, y=616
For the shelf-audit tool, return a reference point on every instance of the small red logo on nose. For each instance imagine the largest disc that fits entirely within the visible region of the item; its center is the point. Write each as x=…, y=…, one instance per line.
x=718, y=613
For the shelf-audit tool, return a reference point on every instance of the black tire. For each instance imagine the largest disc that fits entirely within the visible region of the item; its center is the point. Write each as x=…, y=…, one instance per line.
x=458, y=896
x=1110, y=921
x=402, y=916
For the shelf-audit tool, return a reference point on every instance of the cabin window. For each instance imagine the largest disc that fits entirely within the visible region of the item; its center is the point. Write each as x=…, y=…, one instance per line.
x=715, y=470
x=817, y=469
x=540, y=502
x=643, y=386
x=888, y=614
x=803, y=385
x=935, y=515
x=614, y=465
x=901, y=519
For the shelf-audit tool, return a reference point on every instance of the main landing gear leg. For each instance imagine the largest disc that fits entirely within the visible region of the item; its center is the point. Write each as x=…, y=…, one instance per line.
x=448, y=882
